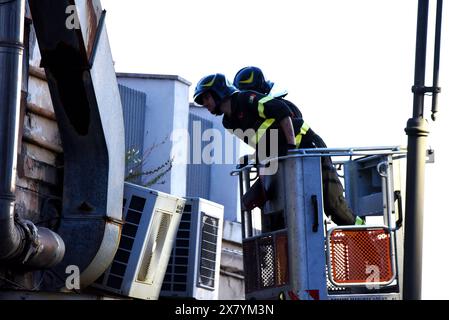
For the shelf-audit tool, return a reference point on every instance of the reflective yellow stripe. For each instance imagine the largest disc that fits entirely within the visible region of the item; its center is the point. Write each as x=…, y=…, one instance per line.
x=305, y=127
x=210, y=83
x=249, y=80
x=261, y=107
x=261, y=131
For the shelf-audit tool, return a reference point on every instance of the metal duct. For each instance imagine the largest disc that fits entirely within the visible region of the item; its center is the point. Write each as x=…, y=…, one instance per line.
x=21, y=241
x=81, y=77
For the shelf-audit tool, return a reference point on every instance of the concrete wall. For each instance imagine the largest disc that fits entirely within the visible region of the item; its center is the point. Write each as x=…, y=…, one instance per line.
x=134, y=106
x=232, y=283
x=167, y=109
x=220, y=170
x=198, y=174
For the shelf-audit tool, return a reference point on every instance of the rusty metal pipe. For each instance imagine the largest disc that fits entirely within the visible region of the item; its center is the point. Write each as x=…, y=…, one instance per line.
x=20, y=241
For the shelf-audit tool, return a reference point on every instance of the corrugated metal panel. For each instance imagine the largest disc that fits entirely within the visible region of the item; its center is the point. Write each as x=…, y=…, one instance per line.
x=134, y=104
x=198, y=175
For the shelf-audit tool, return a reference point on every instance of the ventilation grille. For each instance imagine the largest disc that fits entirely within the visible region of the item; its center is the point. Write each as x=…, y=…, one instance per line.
x=132, y=220
x=266, y=261
x=178, y=265
x=153, y=248
x=208, y=257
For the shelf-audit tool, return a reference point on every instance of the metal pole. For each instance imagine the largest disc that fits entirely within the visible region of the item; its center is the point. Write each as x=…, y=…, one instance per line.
x=417, y=131
x=246, y=217
x=436, y=57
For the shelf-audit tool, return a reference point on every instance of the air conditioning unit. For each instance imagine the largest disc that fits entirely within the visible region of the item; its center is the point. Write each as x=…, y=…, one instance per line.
x=151, y=222
x=194, y=267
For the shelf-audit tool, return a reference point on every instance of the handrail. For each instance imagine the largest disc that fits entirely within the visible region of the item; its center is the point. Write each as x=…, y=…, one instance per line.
x=339, y=152
x=328, y=152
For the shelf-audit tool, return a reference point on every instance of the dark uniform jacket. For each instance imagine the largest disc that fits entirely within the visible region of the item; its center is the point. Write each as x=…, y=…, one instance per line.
x=294, y=110
x=252, y=110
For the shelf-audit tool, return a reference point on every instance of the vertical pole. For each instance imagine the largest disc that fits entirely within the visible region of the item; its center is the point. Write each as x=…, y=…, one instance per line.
x=246, y=216
x=417, y=131
x=436, y=57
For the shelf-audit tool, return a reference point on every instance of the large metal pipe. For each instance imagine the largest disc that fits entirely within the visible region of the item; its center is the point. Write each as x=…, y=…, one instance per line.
x=19, y=240
x=11, y=56
x=87, y=105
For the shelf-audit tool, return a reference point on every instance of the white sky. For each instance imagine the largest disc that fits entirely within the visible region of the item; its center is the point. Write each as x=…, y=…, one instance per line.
x=347, y=64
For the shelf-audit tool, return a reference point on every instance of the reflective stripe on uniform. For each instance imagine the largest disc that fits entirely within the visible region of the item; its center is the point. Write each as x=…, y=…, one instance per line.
x=305, y=127
x=261, y=107
x=261, y=131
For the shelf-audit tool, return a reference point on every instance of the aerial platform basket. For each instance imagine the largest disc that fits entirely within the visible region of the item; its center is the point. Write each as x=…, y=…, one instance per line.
x=292, y=251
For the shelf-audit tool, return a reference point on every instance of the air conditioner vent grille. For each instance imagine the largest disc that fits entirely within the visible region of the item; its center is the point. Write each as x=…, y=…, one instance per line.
x=209, y=239
x=114, y=282
x=193, y=270
x=153, y=248
x=137, y=203
x=132, y=220
x=179, y=259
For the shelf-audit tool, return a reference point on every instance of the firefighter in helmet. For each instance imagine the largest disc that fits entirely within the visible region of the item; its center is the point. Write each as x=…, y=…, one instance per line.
x=252, y=110
x=252, y=78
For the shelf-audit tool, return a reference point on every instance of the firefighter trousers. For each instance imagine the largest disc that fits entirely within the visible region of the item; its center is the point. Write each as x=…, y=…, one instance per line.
x=335, y=205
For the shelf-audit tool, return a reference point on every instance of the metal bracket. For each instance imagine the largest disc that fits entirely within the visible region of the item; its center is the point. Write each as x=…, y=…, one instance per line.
x=32, y=239
x=430, y=154
x=424, y=89
x=382, y=168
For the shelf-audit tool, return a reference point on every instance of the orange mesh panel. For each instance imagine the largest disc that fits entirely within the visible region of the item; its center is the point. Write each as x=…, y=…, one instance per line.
x=281, y=259
x=360, y=256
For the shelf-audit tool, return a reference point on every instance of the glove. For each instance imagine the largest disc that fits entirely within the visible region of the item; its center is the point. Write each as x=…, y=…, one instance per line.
x=359, y=221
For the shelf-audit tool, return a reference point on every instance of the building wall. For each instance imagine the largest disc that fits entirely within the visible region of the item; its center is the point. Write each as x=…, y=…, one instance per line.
x=232, y=281
x=198, y=174
x=134, y=106
x=167, y=107
x=180, y=124
x=221, y=168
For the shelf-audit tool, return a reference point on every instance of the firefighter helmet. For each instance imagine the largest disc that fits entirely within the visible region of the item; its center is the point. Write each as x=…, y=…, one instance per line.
x=251, y=78
x=217, y=83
